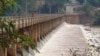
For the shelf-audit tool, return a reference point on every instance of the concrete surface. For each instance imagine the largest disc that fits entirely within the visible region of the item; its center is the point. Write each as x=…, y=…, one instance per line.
x=66, y=37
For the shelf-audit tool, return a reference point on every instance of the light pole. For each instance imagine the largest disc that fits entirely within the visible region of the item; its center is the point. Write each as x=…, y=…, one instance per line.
x=16, y=10
x=26, y=9
x=85, y=1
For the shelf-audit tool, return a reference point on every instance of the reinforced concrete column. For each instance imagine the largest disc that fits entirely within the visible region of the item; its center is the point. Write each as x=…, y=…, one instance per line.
x=39, y=31
x=34, y=32
x=12, y=51
x=2, y=52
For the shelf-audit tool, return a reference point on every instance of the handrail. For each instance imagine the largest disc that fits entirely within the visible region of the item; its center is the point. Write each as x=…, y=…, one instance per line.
x=21, y=22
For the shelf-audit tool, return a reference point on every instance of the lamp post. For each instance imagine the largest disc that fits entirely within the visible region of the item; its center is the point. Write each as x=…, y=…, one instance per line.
x=26, y=9
x=16, y=10
x=85, y=1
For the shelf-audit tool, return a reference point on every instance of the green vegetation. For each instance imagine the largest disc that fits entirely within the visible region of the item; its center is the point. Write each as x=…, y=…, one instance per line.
x=97, y=17
x=81, y=1
x=6, y=4
x=22, y=7
x=95, y=3
x=90, y=9
x=58, y=3
x=16, y=7
x=87, y=8
x=92, y=2
x=11, y=37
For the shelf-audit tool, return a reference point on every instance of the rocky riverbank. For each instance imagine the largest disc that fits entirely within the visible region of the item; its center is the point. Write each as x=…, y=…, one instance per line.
x=92, y=36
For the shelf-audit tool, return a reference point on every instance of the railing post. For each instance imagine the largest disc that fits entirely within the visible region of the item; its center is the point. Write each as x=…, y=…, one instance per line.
x=44, y=29
x=31, y=21
x=27, y=21
x=1, y=52
x=18, y=23
x=41, y=30
x=36, y=32
x=12, y=51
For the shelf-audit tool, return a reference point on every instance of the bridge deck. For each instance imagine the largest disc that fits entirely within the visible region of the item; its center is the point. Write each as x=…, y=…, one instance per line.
x=66, y=37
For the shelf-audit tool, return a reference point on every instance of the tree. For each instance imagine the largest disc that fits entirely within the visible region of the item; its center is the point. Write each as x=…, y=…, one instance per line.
x=95, y=3
x=90, y=9
x=5, y=4
x=81, y=1
x=87, y=8
x=50, y=3
x=10, y=37
x=97, y=19
x=59, y=3
x=95, y=13
x=19, y=8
